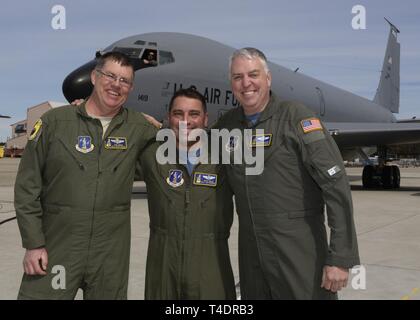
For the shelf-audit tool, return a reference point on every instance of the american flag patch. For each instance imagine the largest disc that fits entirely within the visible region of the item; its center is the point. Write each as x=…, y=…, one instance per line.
x=309, y=125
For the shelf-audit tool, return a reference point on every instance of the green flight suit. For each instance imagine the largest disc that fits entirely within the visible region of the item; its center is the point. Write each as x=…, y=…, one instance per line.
x=282, y=237
x=73, y=195
x=190, y=221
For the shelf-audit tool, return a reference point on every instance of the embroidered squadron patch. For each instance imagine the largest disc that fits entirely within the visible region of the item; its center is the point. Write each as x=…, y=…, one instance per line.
x=84, y=144
x=36, y=129
x=205, y=179
x=309, y=125
x=116, y=143
x=175, y=178
x=232, y=144
x=261, y=140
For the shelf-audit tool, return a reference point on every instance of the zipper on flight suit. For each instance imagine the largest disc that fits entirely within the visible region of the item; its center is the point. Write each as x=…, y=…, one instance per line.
x=101, y=136
x=186, y=207
x=251, y=214
x=100, y=140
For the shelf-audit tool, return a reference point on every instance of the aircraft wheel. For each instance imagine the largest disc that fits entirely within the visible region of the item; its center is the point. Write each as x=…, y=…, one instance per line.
x=367, y=176
x=387, y=177
x=396, y=177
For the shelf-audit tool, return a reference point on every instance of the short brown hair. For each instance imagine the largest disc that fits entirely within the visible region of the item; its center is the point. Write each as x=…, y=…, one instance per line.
x=190, y=92
x=115, y=56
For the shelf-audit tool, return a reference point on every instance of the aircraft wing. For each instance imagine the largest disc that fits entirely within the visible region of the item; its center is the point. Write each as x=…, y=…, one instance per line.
x=361, y=134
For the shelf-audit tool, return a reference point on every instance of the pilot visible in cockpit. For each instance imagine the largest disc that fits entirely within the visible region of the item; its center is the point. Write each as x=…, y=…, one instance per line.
x=150, y=59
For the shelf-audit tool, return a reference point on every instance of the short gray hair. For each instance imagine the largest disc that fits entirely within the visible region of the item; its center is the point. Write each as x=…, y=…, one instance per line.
x=249, y=53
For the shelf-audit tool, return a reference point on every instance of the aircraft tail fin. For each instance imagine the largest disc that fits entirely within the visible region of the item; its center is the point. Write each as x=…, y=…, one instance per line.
x=388, y=92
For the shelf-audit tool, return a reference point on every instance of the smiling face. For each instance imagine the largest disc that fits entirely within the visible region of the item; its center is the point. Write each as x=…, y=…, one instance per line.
x=110, y=94
x=191, y=112
x=250, y=83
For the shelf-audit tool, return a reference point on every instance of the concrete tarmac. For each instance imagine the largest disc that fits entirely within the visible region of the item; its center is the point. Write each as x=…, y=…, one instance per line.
x=387, y=224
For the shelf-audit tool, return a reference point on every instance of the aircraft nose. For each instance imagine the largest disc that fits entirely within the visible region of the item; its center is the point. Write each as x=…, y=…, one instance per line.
x=77, y=84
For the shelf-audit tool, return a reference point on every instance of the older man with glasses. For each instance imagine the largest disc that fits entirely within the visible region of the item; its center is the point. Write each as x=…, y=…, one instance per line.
x=73, y=191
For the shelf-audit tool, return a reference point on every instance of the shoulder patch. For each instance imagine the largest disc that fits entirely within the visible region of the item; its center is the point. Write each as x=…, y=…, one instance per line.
x=36, y=131
x=311, y=124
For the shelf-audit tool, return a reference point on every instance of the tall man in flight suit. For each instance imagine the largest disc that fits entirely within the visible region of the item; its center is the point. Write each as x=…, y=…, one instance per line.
x=283, y=247
x=191, y=213
x=73, y=191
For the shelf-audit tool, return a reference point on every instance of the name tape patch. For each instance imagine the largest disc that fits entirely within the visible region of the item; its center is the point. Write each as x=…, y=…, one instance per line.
x=261, y=140
x=116, y=143
x=205, y=179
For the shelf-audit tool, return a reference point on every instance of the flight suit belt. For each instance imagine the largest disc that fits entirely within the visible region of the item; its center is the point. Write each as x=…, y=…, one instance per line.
x=210, y=235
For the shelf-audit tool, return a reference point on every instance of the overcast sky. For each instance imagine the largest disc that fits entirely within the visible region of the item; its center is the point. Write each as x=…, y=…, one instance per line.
x=316, y=36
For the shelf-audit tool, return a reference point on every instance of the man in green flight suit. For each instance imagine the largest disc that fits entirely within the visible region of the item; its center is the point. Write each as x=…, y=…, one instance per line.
x=283, y=247
x=73, y=191
x=191, y=213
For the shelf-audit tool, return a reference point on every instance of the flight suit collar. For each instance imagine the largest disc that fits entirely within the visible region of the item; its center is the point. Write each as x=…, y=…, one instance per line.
x=267, y=113
x=117, y=119
x=270, y=109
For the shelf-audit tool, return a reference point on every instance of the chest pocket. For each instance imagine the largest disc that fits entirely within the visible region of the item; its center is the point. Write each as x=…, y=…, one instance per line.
x=208, y=180
x=115, y=157
x=61, y=150
x=171, y=188
x=280, y=148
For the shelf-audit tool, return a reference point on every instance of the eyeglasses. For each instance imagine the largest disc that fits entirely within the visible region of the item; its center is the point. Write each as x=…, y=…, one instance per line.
x=113, y=78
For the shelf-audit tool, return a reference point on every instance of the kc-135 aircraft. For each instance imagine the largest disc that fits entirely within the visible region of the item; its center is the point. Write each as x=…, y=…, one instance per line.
x=165, y=62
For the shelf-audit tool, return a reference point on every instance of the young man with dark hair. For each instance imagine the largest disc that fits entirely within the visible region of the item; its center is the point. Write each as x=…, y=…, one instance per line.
x=191, y=213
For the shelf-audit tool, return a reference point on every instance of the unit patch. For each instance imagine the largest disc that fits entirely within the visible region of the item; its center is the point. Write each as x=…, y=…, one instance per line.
x=232, y=144
x=116, y=143
x=84, y=144
x=205, y=179
x=309, y=125
x=261, y=140
x=175, y=178
x=36, y=129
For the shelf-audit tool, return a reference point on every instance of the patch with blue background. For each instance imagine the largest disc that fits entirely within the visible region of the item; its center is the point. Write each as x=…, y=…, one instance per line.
x=116, y=143
x=84, y=144
x=175, y=178
x=205, y=179
x=261, y=140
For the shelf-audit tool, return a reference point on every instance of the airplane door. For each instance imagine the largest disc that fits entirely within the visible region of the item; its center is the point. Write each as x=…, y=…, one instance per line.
x=321, y=101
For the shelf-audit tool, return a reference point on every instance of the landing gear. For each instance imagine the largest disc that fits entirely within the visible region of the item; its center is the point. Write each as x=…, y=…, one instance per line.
x=381, y=175
x=384, y=176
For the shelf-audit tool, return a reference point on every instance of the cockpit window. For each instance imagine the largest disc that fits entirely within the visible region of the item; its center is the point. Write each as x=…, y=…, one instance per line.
x=131, y=52
x=140, y=42
x=153, y=44
x=149, y=58
x=166, y=57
